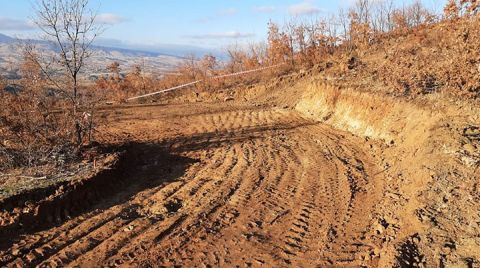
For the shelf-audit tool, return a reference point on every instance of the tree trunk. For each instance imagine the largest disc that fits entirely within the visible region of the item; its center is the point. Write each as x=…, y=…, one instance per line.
x=77, y=125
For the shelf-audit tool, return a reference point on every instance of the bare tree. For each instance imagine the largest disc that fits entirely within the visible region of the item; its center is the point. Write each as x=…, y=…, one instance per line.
x=69, y=26
x=189, y=68
x=114, y=68
x=208, y=64
x=289, y=36
x=363, y=9
x=257, y=55
x=237, y=57
x=382, y=20
x=344, y=21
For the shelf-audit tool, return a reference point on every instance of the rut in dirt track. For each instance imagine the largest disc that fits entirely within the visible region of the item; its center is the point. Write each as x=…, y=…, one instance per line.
x=271, y=188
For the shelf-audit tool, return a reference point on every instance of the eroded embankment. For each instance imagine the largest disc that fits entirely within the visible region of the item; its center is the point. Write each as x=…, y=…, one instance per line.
x=44, y=208
x=429, y=214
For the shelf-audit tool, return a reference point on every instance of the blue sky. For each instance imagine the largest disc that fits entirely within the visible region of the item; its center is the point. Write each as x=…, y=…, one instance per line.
x=207, y=23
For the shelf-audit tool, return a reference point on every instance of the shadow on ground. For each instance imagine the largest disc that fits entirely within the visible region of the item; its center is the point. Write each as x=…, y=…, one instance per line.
x=139, y=167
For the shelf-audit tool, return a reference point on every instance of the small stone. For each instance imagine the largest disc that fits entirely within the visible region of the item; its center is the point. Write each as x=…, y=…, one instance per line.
x=390, y=220
x=470, y=148
x=31, y=257
x=128, y=228
x=378, y=228
x=39, y=251
x=472, y=131
x=15, y=252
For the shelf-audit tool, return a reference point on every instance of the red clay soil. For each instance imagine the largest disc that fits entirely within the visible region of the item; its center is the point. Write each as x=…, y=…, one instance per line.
x=324, y=181
x=254, y=186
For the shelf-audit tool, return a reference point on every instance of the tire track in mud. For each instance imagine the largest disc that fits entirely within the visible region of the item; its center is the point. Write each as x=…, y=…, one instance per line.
x=209, y=201
x=271, y=188
x=82, y=228
x=163, y=200
x=227, y=215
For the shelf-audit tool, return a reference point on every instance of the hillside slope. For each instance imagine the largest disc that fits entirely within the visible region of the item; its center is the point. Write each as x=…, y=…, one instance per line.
x=439, y=58
x=361, y=161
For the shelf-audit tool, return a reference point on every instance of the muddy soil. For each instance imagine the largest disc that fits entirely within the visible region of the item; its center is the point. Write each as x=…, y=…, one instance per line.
x=239, y=184
x=216, y=185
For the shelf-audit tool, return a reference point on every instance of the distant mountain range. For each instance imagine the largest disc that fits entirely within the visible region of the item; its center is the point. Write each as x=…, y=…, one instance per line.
x=164, y=49
x=5, y=39
x=158, y=60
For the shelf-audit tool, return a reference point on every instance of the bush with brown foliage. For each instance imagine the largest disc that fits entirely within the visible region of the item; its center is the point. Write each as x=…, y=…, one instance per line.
x=36, y=120
x=458, y=8
x=32, y=127
x=118, y=86
x=408, y=49
x=279, y=48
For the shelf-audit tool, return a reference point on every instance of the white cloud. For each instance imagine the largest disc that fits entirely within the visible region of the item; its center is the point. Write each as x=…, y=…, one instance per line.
x=224, y=35
x=202, y=20
x=222, y=13
x=305, y=8
x=9, y=24
x=264, y=9
x=229, y=12
x=110, y=19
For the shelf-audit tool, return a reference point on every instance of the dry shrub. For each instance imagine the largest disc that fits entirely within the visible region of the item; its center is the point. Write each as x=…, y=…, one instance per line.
x=48, y=117
x=458, y=8
x=118, y=86
x=36, y=121
x=407, y=49
x=32, y=132
x=444, y=57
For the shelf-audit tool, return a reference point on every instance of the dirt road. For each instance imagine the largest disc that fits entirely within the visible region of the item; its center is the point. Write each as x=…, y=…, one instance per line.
x=218, y=185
